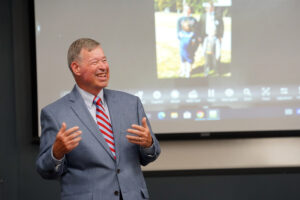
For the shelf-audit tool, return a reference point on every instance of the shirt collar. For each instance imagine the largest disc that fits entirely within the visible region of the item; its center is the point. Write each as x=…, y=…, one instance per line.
x=88, y=97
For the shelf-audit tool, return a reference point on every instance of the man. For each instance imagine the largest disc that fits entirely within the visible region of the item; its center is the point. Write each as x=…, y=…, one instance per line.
x=94, y=140
x=211, y=21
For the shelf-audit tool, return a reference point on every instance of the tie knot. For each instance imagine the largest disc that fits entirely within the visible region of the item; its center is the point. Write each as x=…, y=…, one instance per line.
x=97, y=100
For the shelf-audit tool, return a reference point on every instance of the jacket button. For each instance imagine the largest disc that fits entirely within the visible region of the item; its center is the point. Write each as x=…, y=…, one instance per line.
x=118, y=171
x=116, y=193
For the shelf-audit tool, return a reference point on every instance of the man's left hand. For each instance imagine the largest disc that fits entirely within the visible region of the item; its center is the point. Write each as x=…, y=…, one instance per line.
x=142, y=135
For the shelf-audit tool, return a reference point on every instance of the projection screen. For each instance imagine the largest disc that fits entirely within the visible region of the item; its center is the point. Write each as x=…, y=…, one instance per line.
x=225, y=66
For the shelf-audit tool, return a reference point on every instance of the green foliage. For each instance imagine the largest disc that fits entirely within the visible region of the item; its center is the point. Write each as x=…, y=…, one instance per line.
x=177, y=5
x=163, y=4
x=196, y=5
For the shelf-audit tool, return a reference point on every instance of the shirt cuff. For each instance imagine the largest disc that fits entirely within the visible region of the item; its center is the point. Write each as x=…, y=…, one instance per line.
x=149, y=151
x=57, y=162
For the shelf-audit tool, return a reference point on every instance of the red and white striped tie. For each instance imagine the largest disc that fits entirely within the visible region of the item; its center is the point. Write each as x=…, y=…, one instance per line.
x=104, y=125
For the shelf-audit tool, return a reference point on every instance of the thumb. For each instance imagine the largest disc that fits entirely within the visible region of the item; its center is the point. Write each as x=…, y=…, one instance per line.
x=63, y=128
x=144, y=122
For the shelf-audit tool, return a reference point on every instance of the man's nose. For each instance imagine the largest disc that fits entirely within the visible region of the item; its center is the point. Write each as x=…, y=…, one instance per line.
x=102, y=65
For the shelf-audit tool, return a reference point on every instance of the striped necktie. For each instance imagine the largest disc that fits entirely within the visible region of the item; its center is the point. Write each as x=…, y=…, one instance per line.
x=104, y=125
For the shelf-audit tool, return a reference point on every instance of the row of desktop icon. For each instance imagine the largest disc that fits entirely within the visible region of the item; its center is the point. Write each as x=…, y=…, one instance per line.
x=291, y=111
x=212, y=114
x=229, y=92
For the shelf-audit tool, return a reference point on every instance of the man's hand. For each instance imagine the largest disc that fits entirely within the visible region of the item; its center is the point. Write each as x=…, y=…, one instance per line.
x=66, y=141
x=143, y=136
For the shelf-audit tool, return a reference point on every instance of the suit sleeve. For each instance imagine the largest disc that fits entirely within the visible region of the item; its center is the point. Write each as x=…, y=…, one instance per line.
x=150, y=154
x=220, y=27
x=47, y=166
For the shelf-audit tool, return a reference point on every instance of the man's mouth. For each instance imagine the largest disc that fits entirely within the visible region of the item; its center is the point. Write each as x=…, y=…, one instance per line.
x=101, y=75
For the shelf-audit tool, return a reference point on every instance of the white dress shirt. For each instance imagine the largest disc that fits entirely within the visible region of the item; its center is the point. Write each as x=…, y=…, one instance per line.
x=88, y=100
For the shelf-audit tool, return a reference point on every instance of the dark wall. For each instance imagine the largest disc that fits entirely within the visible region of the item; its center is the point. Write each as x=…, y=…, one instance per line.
x=278, y=186
x=8, y=143
x=18, y=178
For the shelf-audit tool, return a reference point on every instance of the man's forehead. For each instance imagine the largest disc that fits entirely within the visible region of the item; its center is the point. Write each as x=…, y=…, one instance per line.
x=86, y=51
x=96, y=53
x=89, y=49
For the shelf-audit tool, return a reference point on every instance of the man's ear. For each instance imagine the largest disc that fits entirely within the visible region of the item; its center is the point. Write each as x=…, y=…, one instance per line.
x=75, y=68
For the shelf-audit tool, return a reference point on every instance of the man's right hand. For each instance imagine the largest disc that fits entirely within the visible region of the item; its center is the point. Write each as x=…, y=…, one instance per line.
x=66, y=141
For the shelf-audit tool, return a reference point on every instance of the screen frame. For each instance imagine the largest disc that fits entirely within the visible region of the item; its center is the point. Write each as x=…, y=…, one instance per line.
x=160, y=136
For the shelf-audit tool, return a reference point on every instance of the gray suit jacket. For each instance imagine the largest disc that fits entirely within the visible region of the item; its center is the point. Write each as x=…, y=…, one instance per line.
x=89, y=171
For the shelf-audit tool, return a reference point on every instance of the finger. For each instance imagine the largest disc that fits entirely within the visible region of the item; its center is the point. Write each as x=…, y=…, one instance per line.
x=134, y=142
x=74, y=135
x=74, y=144
x=62, y=128
x=136, y=132
x=140, y=128
x=133, y=138
x=76, y=140
x=71, y=130
x=144, y=122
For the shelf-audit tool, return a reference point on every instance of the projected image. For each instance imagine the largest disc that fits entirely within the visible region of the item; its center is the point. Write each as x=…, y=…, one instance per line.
x=193, y=38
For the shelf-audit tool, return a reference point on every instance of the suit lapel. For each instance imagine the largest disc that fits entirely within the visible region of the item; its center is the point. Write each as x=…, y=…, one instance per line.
x=114, y=113
x=78, y=106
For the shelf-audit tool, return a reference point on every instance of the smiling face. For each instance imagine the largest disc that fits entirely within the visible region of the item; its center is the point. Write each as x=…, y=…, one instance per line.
x=91, y=70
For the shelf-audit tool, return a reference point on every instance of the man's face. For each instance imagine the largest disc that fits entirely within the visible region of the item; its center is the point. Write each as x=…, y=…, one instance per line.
x=188, y=11
x=91, y=70
x=209, y=8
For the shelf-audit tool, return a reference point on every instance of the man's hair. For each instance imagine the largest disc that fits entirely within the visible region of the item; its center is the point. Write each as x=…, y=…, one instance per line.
x=76, y=47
